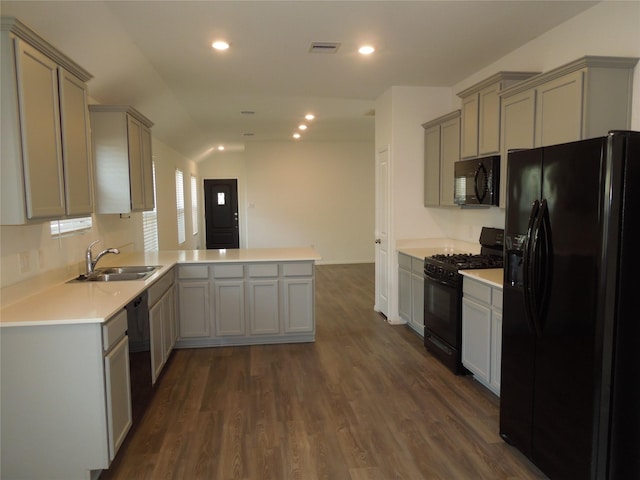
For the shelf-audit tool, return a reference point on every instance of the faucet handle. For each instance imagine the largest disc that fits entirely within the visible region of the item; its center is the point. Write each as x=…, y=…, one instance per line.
x=92, y=244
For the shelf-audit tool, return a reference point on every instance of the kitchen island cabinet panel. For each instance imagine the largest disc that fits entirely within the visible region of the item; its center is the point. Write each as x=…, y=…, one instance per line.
x=195, y=316
x=61, y=394
x=228, y=303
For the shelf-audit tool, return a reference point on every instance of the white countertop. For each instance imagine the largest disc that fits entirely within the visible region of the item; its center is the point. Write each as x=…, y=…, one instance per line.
x=491, y=276
x=95, y=302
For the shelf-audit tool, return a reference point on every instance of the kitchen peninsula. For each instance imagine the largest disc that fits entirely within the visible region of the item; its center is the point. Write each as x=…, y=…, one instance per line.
x=64, y=351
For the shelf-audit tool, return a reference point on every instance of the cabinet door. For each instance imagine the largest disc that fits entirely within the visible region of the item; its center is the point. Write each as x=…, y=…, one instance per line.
x=134, y=136
x=193, y=301
x=518, y=131
x=496, y=349
x=417, y=301
x=264, y=311
x=119, y=420
x=432, y=166
x=147, y=168
x=559, y=110
x=229, y=307
x=449, y=155
x=489, y=120
x=168, y=324
x=476, y=338
x=404, y=294
x=469, y=127
x=40, y=125
x=298, y=305
x=156, y=321
x=76, y=145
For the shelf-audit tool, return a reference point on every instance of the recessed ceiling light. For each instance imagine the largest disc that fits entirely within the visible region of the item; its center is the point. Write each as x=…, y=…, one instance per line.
x=296, y=135
x=220, y=147
x=220, y=45
x=309, y=116
x=366, y=50
x=302, y=126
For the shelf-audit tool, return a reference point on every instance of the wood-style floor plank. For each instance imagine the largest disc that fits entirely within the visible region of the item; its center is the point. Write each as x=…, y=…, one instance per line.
x=366, y=401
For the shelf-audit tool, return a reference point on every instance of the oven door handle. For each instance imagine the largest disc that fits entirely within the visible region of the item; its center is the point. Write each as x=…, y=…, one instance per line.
x=440, y=282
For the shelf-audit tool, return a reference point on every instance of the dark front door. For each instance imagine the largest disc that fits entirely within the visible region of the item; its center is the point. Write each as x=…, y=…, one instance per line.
x=221, y=212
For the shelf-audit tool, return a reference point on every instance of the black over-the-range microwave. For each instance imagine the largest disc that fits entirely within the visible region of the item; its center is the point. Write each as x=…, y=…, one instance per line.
x=477, y=181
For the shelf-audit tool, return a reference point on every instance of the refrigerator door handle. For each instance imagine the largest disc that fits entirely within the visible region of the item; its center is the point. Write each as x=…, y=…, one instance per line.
x=540, y=268
x=527, y=267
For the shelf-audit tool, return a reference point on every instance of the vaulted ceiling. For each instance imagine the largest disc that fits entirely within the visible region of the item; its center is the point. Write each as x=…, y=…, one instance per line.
x=157, y=56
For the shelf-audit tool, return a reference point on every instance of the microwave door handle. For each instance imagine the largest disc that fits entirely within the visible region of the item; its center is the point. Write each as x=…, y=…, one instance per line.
x=476, y=175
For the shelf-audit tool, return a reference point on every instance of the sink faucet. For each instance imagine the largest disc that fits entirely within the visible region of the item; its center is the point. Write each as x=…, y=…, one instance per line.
x=91, y=262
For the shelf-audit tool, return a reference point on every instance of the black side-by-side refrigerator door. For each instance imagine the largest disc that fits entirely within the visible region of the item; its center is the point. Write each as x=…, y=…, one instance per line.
x=524, y=185
x=548, y=381
x=567, y=349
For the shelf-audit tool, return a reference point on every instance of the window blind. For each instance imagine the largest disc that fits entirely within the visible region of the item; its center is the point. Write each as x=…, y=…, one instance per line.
x=180, y=206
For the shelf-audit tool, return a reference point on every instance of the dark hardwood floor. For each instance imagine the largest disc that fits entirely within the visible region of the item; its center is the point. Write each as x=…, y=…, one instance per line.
x=365, y=401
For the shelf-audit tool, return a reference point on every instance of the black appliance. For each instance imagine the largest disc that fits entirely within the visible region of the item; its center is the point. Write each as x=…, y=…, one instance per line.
x=477, y=181
x=443, y=296
x=138, y=332
x=570, y=399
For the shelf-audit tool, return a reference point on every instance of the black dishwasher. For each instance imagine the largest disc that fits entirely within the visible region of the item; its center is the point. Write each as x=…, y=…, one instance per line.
x=139, y=354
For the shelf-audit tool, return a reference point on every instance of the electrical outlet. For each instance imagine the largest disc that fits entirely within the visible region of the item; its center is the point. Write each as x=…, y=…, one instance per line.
x=25, y=262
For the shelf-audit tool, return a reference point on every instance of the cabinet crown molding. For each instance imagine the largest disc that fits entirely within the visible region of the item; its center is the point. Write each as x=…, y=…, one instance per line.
x=498, y=77
x=128, y=109
x=589, y=61
x=25, y=33
x=443, y=118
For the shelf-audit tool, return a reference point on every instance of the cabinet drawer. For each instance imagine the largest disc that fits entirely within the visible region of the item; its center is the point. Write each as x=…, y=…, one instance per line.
x=496, y=299
x=404, y=261
x=228, y=271
x=157, y=289
x=193, y=271
x=417, y=266
x=297, y=269
x=115, y=328
x=263, y=270
x=478, y=290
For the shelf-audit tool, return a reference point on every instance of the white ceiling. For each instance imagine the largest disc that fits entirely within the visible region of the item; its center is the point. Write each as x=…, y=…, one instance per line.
x=156, y=56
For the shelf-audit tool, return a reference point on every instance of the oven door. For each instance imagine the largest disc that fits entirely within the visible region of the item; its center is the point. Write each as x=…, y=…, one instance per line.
x=442, y=309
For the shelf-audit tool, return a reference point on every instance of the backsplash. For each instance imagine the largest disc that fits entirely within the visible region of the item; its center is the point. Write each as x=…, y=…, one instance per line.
x=30, y=253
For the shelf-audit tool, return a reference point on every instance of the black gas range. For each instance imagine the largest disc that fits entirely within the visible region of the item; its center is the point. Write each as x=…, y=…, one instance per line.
x=443, y=296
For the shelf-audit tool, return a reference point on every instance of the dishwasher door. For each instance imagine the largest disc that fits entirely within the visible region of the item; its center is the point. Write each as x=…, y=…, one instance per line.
x=139, y=354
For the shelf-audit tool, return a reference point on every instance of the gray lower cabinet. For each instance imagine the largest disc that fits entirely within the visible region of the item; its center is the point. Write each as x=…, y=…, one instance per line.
x=245, y=303
x=161, y=322
x=193, y=302
x=411, y=291
x=65, y=388
x=482, y=332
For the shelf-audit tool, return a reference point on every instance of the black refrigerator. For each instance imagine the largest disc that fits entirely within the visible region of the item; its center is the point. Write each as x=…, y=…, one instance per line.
x=570, y=379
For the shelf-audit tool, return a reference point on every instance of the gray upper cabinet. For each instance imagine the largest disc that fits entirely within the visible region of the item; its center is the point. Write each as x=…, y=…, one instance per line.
x=441, y=151
x=46, y=162
x=583, y=99
x=122, y=157
x=480, y=122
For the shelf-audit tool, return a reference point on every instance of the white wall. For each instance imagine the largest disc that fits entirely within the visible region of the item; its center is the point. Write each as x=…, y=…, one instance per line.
x=30, y=253
x=226, y=165
x=319, y=194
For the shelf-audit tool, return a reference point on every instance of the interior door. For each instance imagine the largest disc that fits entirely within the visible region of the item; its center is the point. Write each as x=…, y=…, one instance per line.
x=221, y=213
x=382, y=231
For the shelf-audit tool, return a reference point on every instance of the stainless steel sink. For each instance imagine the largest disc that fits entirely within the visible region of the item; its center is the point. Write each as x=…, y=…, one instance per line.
x=125, y=270
x=117, y=274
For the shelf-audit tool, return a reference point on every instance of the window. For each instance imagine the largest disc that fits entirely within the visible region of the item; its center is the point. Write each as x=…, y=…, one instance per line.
x=150, y=220
x=194, y=204
x=63, y=227
x=180, y=206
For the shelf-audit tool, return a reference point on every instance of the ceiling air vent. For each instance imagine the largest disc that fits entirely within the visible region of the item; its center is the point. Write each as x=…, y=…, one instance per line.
x=324, y=47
